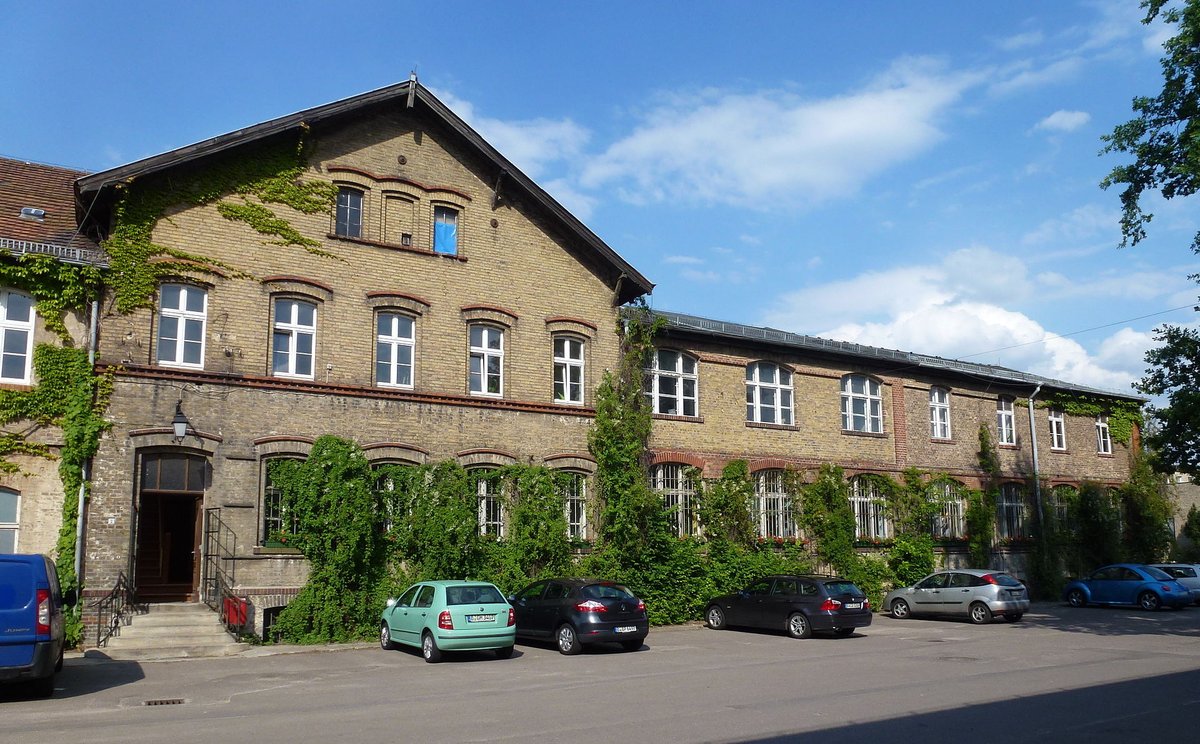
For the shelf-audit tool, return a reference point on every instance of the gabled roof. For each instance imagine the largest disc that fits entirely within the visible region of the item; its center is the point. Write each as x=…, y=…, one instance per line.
x=628, y=281
x=889, y=360
x=37, y=212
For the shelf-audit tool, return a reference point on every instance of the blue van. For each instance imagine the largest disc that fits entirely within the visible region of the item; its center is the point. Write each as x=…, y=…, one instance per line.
x=31, y=622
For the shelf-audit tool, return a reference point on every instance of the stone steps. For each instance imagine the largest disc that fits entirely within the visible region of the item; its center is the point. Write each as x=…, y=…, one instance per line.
x=175, y=630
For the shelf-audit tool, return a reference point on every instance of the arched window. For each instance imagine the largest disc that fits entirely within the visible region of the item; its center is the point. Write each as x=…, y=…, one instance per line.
x=671, y=481
x=568, y=369
x=870, y=514
x=671, y=383
x=394, y=345
x=948, y=522
x=575, y=504
x=487, y=360
x=768, y=394
x=1060, y=505
x=1012, y=513
x=182, y=313
x=862, y=404
x=294, y=342
x=490, y=492
x=348, y=222
x=772, y=507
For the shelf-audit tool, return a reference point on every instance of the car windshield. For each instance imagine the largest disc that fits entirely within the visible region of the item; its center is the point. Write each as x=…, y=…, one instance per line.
x=1158, y=574
x=842, y=587
x=474, y=594
x=1004, y=579
x=606, y=591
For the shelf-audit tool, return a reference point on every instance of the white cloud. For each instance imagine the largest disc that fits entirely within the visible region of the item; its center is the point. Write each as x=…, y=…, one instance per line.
x=771, y=148
x=576, y=202
x=1083, y=223
x=1026, y=75
x=1064, y=121
x=683, y=260
x=1021, y=41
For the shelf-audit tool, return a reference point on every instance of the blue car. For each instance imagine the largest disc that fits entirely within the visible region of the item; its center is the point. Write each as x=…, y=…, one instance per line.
x=1127, y=584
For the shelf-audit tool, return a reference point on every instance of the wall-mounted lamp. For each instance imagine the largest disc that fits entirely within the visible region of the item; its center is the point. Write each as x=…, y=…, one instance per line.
x=179, y=423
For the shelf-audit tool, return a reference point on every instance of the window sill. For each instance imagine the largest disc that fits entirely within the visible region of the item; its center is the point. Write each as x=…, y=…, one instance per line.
x=868, y=434
x=682, y=419
x=1060, y=450
x=777, y=427
x=269, y=550
x=1007, y=446
x=395, y=247
x=1106, y=455
x=941, y=440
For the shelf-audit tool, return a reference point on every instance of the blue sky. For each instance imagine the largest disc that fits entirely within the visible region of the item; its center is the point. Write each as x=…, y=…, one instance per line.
x=920, y=176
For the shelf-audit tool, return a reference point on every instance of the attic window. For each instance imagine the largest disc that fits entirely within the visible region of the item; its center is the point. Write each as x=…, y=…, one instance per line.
x=33, y=213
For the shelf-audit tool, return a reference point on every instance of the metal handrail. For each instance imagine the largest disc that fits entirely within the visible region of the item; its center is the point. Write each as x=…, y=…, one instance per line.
x=219, y=544
x=112, y=610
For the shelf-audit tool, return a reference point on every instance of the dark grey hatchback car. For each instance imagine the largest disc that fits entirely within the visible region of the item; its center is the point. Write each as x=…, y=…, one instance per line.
x=800, y=605
x=578, y=612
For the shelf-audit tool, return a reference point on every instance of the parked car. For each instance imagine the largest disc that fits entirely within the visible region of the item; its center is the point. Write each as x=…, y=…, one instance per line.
x=1187, y=574
x=800, y=605
x=31, y=622
x=580, y=612
x=973, y=593
x=437, y=616
x=1127, y=584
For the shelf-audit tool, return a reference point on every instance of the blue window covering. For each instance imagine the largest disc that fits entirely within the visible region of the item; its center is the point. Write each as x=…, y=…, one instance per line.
x=445, y=231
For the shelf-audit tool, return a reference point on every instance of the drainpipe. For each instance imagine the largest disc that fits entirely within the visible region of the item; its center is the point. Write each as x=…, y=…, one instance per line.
x=1037, y=481
x=87, y=465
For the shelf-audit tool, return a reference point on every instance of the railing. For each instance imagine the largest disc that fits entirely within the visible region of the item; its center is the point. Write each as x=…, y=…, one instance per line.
x=217, y=588
x=65, y=253
x=112, y=610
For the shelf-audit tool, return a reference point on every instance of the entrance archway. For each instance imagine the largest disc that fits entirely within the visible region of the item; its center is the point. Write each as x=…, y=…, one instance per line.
x=169, y=529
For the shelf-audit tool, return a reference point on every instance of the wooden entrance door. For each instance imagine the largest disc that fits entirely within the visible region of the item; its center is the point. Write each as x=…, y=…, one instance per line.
x=169, y=527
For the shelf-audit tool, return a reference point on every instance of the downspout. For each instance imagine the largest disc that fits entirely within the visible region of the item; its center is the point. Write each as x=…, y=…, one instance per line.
x=1037, y=481
x=87, y=464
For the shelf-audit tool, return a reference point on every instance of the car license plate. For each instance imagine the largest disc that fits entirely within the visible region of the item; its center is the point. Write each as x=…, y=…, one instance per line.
x=854, y=605
x=481, y=618
x=625, y=629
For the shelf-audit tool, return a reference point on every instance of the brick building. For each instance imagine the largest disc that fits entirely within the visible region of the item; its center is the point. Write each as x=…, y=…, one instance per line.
x=444, y=307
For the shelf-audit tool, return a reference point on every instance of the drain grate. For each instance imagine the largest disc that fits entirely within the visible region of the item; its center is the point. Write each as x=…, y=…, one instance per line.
x=164, y=701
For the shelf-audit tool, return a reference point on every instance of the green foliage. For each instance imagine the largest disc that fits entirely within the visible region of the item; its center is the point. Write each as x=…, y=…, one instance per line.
x=1099, y=523
x=1174, y=372
x=724, y=505
x=828, y=520
x=271, y=175
x=1164, y=137
x=911, y=558
x=1147, y=510
x=434, y=515
x=981, y=524
x=1188, y=549
x=1123, y=415
x=910, y=506
x=536, y=543
x=56, y=287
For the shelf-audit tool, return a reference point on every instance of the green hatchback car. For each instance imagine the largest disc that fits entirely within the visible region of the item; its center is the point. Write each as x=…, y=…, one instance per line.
x=437, y=616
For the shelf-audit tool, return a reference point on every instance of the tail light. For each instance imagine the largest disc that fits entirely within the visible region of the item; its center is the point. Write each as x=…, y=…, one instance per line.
x=831, y=605
x=446, y=623
x=989, y=578
x=641, y=606
x=512, y=617
x=1166, y=588
x=591, y=605
x=43, y=617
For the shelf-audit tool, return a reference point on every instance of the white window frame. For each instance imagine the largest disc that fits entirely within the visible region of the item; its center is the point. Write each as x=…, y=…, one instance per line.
x=1103, y=436
x=293, y=330
x=481, y=356
x=870, y=419
x=8, y=326
x=769, y=394
x=1012, y=513
x=1061, y=506
x=13, y=527
x=273, y=516
x=575, y=505
x=393, y=342
x=568, y=369
x=489, y=492
x=772, y=508
x=1006, y=430
x=671, y=482
x=949, y=521
x=939, y=413
x=870, y=510
x=673, y=390
x=1058, y=429
x=182, y=317
x=353, y=214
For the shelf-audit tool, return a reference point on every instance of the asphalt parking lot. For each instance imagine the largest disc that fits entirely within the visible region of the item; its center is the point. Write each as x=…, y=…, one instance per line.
x=1069, y=674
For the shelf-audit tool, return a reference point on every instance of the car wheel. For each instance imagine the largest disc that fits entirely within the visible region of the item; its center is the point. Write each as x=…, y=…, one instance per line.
x=798, y=626
x=900, y=609
x=504, y=652
x=715, y=617
x=429, y=648
x=980, y=614
x=1149, y=601
x=631, y=645
x=1076, y=598
x=1014, y=617
x=844, y=632
x=568, y=642
x=385, y=637
x=43, y=687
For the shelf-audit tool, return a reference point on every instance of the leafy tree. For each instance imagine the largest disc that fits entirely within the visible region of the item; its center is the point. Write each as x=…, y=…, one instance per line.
x=1174, y=372
x=724, y=505
x=1188, y=550
x=1148, y=509
x=1099, y=520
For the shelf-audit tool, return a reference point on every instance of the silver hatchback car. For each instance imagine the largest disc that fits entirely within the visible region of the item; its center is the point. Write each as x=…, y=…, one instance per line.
x=1187, y=574
x=977, y=594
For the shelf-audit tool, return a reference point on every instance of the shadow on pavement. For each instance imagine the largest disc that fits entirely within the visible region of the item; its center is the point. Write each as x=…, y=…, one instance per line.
x=81, y=677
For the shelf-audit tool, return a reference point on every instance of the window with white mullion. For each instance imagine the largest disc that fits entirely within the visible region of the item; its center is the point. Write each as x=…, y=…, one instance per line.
x=487, y=361
x=491, y=505
x=16, y=336
x=1006, y=432
x=1012, y=516
x=671, y=384
x=182, y=314
x=348, y=222
x=1058, y=429
x=939, y=413
x=772, y=507
x=862, y=404
x=294, y=338
x=1103, y=436
x=568, y=370
x=575, y=504
x=10, y=508
x=672, y=483
x=870, y=515
x=394, y=350
x=768, y=394
x=947, y=519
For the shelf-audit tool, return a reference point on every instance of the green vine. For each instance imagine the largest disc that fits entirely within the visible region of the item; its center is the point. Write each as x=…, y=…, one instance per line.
x=56, y=287
x=271, y=176
x=1123, y=415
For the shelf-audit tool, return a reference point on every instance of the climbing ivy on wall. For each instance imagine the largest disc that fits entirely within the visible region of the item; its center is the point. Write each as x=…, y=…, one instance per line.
x=1123, y=415
x=271, y=174
x=56, y=287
